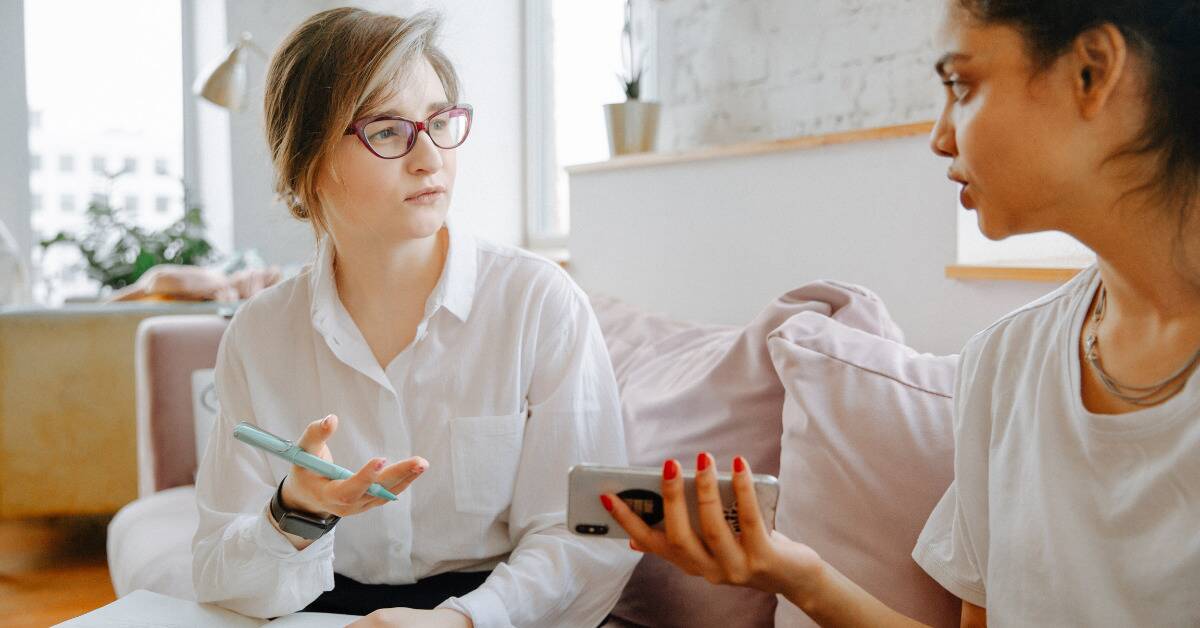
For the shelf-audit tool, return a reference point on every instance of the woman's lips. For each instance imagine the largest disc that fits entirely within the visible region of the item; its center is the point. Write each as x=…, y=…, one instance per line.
x=964, y=197
x=427, y=198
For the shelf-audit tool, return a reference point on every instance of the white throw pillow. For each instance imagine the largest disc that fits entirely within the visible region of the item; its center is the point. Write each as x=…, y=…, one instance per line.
x=867, y=451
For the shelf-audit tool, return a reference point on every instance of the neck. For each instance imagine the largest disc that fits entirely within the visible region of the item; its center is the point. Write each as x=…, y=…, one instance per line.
x=1137, y=254
x=383, y=268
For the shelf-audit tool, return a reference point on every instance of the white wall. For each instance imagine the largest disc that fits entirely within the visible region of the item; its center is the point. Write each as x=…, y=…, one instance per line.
x=482, y=38
x=733, y=70
x=717, y=240
x=14, y=128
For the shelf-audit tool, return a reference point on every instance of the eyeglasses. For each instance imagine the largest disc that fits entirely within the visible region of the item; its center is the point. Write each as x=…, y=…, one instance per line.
x=391, y=137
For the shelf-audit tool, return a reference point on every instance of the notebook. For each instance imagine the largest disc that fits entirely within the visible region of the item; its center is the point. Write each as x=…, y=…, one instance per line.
x=145, y=609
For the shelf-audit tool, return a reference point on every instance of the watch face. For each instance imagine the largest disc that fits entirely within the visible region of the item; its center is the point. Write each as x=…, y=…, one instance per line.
x=304, y=527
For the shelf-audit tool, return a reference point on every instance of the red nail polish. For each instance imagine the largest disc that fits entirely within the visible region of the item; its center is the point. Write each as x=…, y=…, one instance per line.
x=670, y=470
x=739, y=464
x=607, y=502
x=702, y=461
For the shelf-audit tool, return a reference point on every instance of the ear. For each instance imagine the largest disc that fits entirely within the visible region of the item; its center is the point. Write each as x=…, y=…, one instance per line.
x=1098, y=56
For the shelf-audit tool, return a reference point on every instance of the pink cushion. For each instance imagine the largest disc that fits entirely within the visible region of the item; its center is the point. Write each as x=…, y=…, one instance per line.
x=867, y=452
x=689, y=387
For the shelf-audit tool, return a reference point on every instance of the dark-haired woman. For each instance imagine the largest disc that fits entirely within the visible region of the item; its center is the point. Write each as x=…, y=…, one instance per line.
x=1076, y=498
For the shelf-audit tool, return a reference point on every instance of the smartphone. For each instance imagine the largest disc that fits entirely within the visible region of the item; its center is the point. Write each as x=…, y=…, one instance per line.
x=640, y=489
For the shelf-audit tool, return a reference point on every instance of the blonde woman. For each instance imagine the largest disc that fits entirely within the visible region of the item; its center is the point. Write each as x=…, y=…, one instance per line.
x=477, y=368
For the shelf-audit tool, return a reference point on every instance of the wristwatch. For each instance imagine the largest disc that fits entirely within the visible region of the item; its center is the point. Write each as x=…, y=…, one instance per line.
x=302, y=524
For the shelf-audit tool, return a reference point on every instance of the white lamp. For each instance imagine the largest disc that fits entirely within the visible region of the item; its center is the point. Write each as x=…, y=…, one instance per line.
x=224, y=85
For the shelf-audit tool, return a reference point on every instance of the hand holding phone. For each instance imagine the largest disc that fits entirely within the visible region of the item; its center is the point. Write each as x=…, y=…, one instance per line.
x=641, y=490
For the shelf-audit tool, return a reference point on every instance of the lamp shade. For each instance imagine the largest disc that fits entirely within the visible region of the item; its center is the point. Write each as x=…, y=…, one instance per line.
x=225, y=84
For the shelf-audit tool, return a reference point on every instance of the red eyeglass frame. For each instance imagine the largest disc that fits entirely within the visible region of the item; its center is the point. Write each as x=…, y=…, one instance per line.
x=357, y=129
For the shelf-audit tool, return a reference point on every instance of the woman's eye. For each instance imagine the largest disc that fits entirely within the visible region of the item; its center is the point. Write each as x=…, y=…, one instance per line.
x=956, y=88
x=383, y=135
x=438, y=124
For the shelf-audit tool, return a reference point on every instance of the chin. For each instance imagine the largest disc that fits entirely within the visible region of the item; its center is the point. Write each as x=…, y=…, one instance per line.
x=422, y=222
x=992, y=228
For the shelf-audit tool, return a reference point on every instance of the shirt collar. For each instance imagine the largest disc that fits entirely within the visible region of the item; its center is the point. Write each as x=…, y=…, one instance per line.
x=455, y=290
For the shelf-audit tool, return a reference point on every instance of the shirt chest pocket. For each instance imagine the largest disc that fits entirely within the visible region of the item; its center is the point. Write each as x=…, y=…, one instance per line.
x=485, y=451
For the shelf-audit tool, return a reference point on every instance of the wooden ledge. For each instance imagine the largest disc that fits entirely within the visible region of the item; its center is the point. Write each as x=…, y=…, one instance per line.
x=972, y=272
x=747, y=149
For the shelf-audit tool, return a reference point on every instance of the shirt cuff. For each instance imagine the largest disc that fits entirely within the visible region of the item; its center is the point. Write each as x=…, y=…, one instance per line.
x=483, y=606
x=271, y=539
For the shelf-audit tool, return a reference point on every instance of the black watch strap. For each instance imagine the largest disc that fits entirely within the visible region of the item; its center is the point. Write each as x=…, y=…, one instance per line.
x=302, y=524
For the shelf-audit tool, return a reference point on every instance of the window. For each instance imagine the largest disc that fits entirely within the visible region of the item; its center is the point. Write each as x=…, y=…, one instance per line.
x=130, y=165
x=577, y=55
x=1040, y=250
x=162, y=204
x=98, y=199
x=130, y=73
x=131, y=204
x=160, y=166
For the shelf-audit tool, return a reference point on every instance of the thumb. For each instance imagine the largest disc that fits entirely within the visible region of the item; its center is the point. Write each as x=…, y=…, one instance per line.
x=317, y=433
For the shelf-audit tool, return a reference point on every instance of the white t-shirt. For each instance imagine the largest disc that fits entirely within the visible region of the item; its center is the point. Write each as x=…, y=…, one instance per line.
x=1059, y=516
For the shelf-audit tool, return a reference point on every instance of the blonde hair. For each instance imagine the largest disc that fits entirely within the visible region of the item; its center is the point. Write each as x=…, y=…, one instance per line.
x=334, y=67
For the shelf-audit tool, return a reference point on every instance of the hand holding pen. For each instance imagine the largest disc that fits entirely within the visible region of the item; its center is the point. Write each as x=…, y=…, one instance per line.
x=315, y=492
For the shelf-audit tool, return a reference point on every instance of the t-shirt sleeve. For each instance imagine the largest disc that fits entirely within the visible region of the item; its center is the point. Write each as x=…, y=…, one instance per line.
x=952, y=548
x=945, y=552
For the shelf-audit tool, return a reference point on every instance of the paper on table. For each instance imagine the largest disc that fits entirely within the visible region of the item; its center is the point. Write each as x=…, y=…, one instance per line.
x=145, y=609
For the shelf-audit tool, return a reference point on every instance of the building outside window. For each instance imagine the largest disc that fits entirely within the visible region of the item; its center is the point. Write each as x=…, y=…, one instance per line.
x=143, y=38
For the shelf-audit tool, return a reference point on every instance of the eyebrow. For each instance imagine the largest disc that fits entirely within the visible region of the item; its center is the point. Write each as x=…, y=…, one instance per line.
x=949, y=57
x=437, y=106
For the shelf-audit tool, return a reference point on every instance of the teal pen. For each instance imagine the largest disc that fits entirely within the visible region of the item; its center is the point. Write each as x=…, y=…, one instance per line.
x=286, y=449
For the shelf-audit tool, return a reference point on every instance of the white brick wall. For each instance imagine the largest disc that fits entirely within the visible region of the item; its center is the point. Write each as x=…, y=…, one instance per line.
x=745, y=70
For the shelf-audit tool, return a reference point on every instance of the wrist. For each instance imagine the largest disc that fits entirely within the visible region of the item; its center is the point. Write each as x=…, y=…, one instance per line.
x=808, y=584
x=289, y=500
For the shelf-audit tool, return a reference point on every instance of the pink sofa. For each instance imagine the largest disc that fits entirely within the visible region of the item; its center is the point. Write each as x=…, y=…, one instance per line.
x=822, y=369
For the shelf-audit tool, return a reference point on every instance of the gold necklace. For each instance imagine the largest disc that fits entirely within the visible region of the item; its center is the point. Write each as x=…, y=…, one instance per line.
x=1153, y=394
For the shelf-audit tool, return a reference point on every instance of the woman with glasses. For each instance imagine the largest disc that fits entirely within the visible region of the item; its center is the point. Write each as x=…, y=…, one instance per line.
x=464, y=376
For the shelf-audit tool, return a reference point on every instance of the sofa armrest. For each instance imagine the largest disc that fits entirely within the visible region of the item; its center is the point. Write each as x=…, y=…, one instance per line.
x=169, y=349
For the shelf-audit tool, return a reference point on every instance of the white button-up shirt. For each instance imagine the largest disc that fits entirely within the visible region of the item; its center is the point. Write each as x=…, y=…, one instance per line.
x=506, y=385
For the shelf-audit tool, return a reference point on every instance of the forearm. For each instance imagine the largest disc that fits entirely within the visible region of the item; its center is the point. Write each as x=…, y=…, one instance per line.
x=247, y=566
x=560, y=580
x=832, y=600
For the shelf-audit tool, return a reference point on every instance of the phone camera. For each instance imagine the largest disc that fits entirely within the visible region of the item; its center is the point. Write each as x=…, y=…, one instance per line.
x=585, y=528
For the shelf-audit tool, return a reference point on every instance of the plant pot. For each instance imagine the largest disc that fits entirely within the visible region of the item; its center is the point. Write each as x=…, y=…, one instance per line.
x=632, y=126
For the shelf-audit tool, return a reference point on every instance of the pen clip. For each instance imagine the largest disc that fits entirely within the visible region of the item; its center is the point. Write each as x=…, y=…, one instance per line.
x=272, y=442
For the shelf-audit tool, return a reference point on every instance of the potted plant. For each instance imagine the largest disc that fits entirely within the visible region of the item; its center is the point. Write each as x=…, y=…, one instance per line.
x=633, y=124
x=117, y=253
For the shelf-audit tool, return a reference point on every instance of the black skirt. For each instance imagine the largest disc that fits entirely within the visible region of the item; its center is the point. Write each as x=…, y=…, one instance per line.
x=351, y=597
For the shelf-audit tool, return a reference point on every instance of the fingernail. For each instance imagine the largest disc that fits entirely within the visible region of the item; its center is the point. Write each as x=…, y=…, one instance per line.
x=379, y=463
x=702, y=461
x=606, y=501
x=670, y=470
x=325, y=422
x=739, y=464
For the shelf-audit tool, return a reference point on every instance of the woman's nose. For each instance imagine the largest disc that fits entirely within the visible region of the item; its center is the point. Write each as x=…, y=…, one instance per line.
x=941, y=139
x=425, y=156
